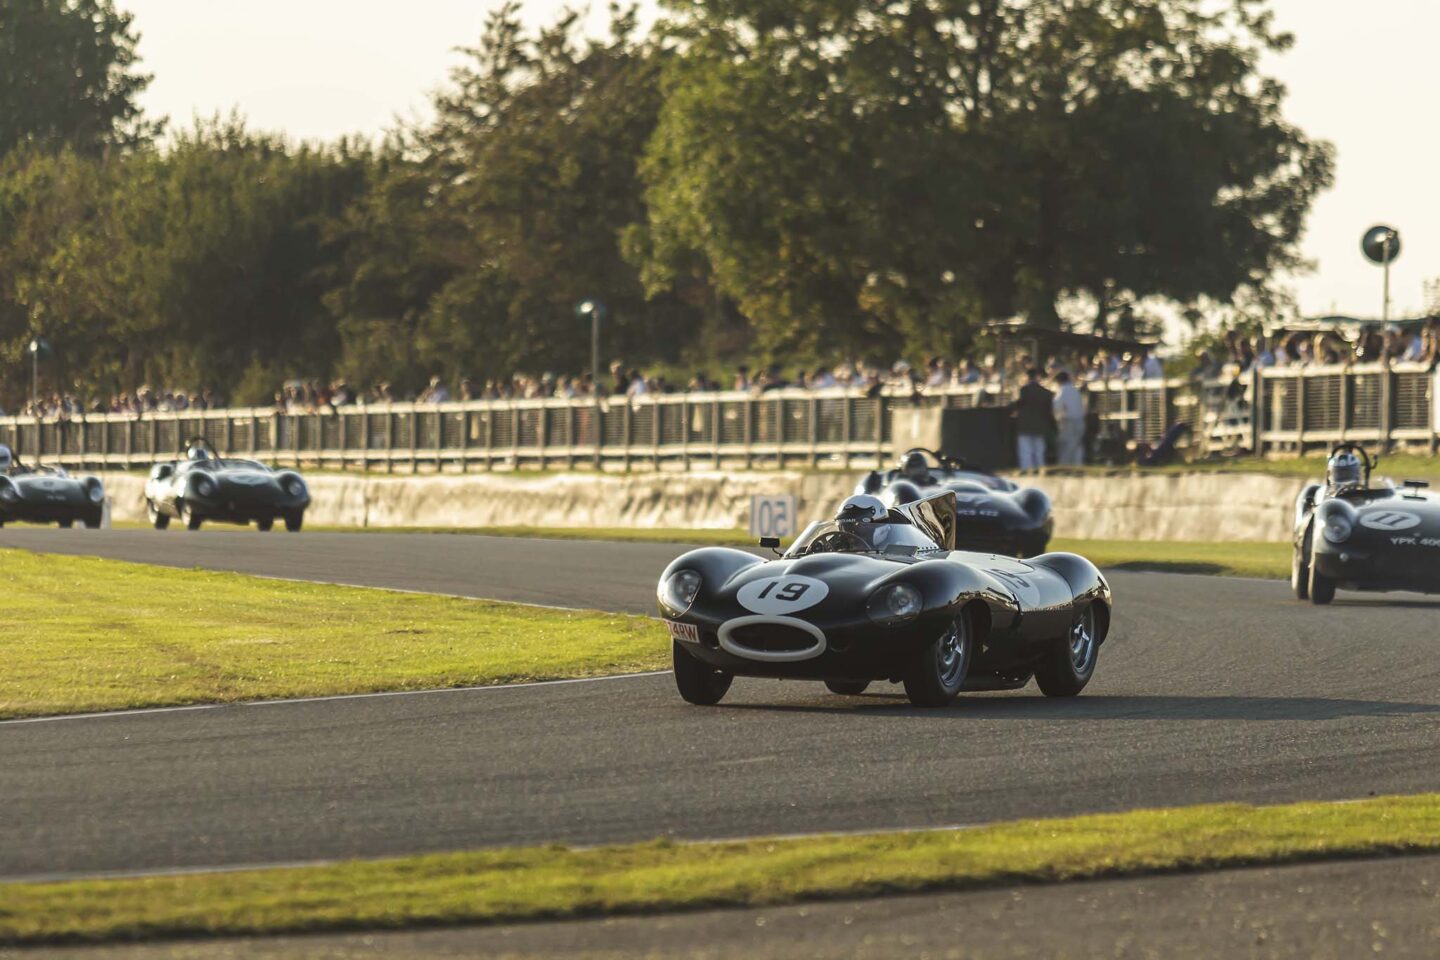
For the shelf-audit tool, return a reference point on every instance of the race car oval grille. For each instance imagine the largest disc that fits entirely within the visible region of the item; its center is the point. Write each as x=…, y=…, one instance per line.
x=772, y=638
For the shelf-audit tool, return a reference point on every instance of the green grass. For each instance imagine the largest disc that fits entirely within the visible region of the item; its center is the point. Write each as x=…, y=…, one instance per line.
x=1234, y=559
x=509, y=885
x=86, y=634
x=698, y=537
x=1270, y=560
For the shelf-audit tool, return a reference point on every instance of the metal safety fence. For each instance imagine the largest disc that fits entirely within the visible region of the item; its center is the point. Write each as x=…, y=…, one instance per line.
x=1276, y=410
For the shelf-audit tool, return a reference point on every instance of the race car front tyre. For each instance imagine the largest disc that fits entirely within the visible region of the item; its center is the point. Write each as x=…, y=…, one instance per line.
x=697, y=681
x=1322, y=588
x=92, y=523
x=1300, y=569
x=66, y=524
x=265, y=524
x=193, y=521
x=938, y=672
x=1069, y=664
x=847, y=688
x=294, y=521
x=158, y=520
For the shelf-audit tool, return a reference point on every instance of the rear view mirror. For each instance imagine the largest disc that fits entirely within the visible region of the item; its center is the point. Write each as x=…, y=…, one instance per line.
x=1417, y=484
x=771, y=542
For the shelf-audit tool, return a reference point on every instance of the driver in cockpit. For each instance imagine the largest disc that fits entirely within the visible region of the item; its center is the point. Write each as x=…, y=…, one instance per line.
x=1343, y=474
x=7, y=459
x=914, y=468
x=862, y=518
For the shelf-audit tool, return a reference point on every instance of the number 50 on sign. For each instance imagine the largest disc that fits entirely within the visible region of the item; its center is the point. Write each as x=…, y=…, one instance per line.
x=772, y=516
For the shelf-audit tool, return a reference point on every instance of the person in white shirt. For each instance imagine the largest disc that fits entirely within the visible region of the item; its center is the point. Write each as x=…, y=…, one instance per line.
x=1069, y=408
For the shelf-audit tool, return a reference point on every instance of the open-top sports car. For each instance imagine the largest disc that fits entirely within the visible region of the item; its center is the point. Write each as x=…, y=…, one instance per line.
x=880, y=594
x=47, y=494
x=993, y=514
x=1354, y=536
x=204, y=487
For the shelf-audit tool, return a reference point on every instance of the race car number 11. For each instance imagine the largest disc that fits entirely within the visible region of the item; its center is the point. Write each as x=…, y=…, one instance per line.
x=781, y=595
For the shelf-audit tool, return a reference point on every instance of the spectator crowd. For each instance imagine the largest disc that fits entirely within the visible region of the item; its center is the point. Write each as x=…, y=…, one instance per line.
x=1239, y=354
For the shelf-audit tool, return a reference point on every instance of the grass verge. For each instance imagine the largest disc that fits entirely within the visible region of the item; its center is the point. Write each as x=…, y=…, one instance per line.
x=554, y=882
x=87, y=634
x=1270, y=560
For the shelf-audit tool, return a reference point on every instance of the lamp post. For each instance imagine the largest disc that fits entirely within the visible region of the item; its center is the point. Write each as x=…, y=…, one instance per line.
x=1381, y=245
x=595, y=310
x=34, y=348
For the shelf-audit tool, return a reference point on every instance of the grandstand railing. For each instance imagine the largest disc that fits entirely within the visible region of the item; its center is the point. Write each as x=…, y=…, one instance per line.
x=1274, y=411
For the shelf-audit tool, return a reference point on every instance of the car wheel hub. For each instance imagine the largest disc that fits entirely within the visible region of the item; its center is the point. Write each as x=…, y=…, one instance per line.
x=1082, y=643
x=950, y=653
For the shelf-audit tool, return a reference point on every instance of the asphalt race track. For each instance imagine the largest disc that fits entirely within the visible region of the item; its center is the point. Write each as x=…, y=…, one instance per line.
x=1210, y=689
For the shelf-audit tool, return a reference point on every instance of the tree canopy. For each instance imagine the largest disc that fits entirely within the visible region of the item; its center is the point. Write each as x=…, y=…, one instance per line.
x=751, y=179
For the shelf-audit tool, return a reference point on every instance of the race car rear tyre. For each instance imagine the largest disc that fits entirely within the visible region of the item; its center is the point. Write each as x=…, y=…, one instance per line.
x=847, y=688
x=1070, y=662
x=158, y=520
x=265, y=525
x=1300, y=569
x=938, y=673
x=93, y=523
x=697, y=681
x=66, y=524
x=1322, y=588
x=294, y=521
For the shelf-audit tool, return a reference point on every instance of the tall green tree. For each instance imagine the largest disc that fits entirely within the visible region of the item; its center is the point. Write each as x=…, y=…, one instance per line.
x=868, y=174
x=68, y=76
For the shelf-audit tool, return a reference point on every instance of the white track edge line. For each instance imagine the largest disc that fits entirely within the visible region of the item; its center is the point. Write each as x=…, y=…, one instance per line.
x=141, y=711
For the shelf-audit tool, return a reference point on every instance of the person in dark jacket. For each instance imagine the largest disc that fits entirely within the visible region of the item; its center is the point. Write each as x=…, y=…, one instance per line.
x=1034, y=421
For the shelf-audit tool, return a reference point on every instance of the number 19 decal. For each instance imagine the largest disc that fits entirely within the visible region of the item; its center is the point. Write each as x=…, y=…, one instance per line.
x=782, y=595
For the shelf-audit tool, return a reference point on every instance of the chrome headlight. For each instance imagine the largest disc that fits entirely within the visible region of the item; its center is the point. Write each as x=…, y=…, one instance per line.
x=1338, y=527
x=294, y=486
x=203, y=487
x=95, y=490
x=895, y=603
x=679, y=590
x=8, y=493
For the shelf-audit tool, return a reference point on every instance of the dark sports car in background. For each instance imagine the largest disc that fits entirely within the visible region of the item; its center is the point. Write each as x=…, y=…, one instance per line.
x=205, y=487
x=47, y=495
x=880, y=594
x=993, y=514
x=1354, y=536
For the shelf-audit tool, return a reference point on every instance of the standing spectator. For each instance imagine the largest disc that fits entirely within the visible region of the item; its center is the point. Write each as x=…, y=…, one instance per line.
x=742, y=378
x=1069, y=409
x=1034, y=419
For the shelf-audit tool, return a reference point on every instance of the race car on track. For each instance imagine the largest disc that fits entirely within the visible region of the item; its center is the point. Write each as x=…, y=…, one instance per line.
x=47, y=494
x=880, y=594
x=205, y=487
x=1354, y=536
x=993, y=514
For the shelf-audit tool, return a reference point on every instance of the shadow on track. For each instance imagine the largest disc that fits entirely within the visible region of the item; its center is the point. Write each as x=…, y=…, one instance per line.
x=1110, y=708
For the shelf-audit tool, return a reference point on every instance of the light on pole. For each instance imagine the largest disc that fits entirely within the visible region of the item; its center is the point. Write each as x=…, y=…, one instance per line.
x=595, y=310
x=1381, y=244
x=34, y=348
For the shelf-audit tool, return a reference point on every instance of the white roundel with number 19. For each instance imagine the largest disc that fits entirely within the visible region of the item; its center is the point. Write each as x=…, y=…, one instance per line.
x=780, y=595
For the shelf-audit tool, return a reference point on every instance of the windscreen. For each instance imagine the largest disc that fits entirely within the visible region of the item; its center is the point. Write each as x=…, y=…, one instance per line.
x=827, y=536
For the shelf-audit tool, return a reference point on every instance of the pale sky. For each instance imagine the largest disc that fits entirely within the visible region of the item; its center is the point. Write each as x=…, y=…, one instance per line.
x=1361, y=75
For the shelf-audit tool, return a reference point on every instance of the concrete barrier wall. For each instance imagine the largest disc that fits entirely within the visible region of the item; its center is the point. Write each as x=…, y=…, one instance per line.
x=1200, y=506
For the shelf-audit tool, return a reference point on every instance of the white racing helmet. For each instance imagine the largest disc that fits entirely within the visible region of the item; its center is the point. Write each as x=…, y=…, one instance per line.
x=861, y=508
x=1344, y=470
x=7, y=458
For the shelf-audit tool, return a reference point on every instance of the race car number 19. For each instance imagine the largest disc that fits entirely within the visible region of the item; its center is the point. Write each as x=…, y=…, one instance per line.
x=781, y=595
